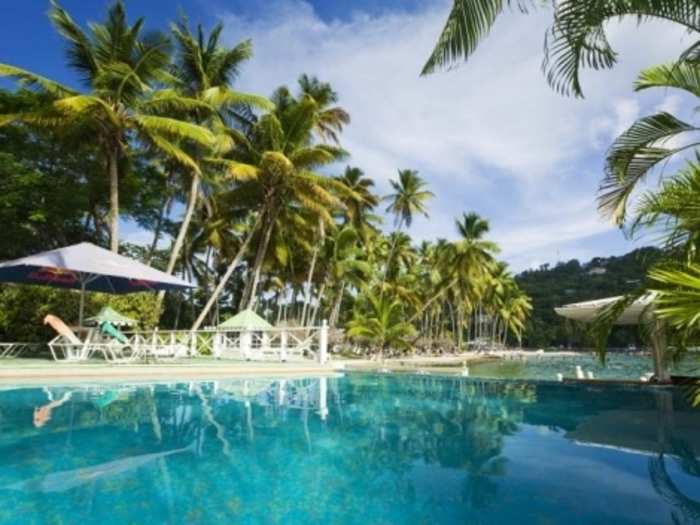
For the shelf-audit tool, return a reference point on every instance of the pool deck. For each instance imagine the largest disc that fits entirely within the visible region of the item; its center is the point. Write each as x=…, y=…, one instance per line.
x=32, y=371
x=44, y=371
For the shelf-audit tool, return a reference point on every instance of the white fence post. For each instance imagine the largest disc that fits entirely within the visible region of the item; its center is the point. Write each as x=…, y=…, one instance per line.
x=246, y=339
x=323, y=343
x=193, y=343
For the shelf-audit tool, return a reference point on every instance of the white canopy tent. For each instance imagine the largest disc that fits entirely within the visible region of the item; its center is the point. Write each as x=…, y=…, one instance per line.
x=588, y=311
x=640, y=311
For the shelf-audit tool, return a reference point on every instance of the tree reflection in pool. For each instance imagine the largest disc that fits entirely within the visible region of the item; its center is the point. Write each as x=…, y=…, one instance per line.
x=355, y=449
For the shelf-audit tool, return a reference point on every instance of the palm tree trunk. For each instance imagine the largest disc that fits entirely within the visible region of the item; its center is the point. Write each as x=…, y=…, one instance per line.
x=158, y=228
x=180, y=239
x=229, y=271
x=335, y=313
x=186, y=220
x=460, y=327
x=257, y=266
x=391, y=256
x=307, y=288
x=318, y=304
x=113, y=167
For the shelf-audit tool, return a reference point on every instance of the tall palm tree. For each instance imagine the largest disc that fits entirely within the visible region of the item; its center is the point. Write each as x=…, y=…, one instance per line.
x=120, y=68
x=576, y=40
x=204, y=70
x=344, y=264
x=359, y=205
x=276, y=167
x=330, y=119
x=409, y=198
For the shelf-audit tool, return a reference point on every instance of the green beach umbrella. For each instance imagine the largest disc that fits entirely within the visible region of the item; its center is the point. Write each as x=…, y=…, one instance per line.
x=248, y=320
x=109, y=315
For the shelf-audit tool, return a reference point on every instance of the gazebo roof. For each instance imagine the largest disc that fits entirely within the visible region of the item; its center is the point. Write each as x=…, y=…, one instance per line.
x=246, y=319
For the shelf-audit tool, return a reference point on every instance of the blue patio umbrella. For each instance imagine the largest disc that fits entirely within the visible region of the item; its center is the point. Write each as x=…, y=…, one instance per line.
x=87, y=267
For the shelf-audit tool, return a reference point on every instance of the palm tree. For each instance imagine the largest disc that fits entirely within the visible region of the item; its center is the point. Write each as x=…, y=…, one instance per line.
x=465, y=264
x=575, y=41
x=345, y=264
x=276, y=168
x=409, y=198
x=359, y=205
x=120, y=67
x=204, y=71
x=383, y=324
x=330, y=119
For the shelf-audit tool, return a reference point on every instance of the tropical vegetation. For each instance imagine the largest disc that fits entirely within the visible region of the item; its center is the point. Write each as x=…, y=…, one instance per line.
x=249, y=196
x=659, y=144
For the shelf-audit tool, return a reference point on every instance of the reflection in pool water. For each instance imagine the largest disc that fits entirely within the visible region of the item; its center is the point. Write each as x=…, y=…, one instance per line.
x=355, y=449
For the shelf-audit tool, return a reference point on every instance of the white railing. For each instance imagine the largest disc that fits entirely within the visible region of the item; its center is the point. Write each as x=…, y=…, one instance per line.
x=271, y=344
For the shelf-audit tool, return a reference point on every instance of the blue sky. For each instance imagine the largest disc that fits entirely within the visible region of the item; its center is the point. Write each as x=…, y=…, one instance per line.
x=489, y=136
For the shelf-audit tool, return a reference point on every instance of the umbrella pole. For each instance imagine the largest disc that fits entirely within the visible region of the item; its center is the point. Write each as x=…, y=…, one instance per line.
x=82, y=303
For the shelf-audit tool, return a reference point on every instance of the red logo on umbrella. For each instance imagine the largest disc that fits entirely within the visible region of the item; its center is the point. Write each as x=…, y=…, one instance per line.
x=54, y=276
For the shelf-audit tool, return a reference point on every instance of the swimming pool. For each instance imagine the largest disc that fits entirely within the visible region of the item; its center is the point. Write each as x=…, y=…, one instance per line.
x=365, y=449
x=544, y=367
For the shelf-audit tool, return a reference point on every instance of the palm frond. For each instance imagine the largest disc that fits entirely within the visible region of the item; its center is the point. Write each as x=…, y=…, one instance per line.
x=80, y=51
x=633, y=155
x=577, y=37
x=33, y=80
x=171, y=150
x=467, y=24
x=679, y=75
x=219, y=97
x=175, y=128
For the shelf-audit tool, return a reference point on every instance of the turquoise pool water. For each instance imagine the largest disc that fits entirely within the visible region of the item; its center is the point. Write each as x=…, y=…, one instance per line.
x=359, y=449
x=618, y=366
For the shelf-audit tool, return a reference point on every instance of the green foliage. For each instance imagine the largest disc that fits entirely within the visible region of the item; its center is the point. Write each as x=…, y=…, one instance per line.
x=575, y=41
x=23, y=308
x=381, y=322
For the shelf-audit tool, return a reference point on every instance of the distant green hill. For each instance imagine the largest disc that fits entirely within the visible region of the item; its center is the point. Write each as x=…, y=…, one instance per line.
x=570, y=282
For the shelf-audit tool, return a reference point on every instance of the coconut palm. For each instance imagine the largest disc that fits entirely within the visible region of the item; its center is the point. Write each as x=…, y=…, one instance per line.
x=465, y=265
x=382, y=322
x=345, y=265
x=576, y=40
x=204, y=70
x=120, y=67
x=330, y=119
x=409, y=198
x=360, y=204
x=276, y=167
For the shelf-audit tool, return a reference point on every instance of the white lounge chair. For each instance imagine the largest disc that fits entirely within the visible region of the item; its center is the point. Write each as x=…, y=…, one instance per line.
x=67, y=346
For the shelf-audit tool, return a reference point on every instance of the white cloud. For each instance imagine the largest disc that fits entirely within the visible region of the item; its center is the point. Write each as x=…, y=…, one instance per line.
x=490, y=135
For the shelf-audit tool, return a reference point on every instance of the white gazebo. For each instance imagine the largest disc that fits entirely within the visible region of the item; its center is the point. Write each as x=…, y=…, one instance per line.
x=640, y=311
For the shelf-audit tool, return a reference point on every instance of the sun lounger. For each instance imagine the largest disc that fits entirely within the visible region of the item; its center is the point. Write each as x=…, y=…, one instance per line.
x=118, y=348
x=66, y=343
x=67, y=346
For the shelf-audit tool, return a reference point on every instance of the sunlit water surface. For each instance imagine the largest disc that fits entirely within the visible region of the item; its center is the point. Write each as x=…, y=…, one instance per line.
x=362, y=449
